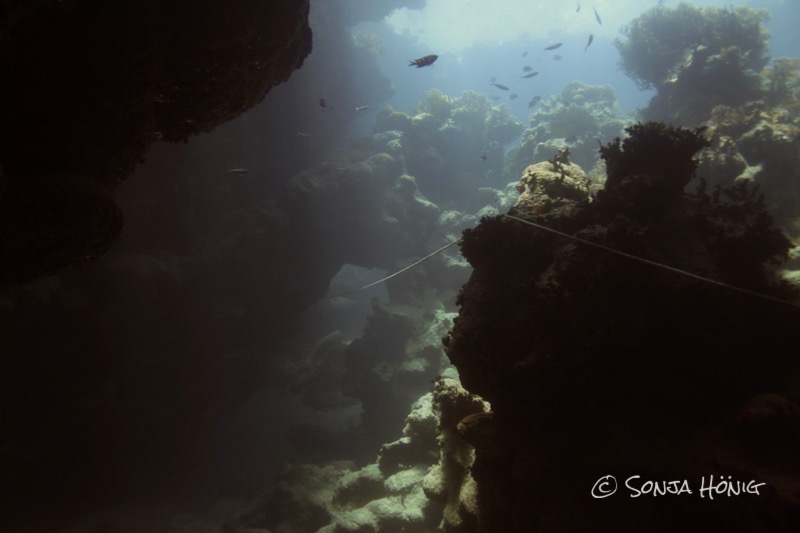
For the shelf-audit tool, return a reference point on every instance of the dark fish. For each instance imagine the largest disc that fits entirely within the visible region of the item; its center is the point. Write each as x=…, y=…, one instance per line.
x=557, y=57
x=591, y=38
x=238, y=171
x=501, y=87
x=362, y=107
x=527, y=68
x=423, y=61
x=535, y=100
x=554, y=46
x=513, y=96
x=597, y=17
x=323, y=105
x=578, y=9
x=484, y=157
x=530, y=75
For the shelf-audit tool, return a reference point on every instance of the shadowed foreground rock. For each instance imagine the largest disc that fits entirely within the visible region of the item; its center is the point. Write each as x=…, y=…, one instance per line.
x=89, y=85
x=597, y=364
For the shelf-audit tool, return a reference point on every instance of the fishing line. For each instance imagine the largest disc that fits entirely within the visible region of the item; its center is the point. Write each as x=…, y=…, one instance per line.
x=390, y=276
x=588, y=243
x=655, y=264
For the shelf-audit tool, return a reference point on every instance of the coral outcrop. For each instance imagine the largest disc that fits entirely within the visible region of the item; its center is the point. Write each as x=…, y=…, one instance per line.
x=576, y=119
x=597, y=364
x=695, y=58
x=756, y=143
x=443, y=142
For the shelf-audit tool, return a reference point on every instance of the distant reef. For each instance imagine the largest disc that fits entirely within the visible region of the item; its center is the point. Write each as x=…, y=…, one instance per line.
x=89, y=85
x=695, y=58
x=710, y=66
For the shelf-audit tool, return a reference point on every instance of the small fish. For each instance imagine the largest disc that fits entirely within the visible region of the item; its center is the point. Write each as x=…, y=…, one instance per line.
x=362, y=107
x=513, y=96
x=424, y=61
x=578, y=9
x=535, y=100
x=527, y=68
x=303, y=135
x=484, y=157
x=238, y=171
x=553, y=46
x=530, y=75
x=591, y=38
x=557, y=57
x=525, y=53
x=324, y=105
x=501, y=87
x=597, y=17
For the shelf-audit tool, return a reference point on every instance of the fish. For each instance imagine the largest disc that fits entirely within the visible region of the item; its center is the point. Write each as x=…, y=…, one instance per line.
x=535, y=100
x=484, y=157
x=513, y=96
x=530, y=75
x=324, y=105
x=553, y=46
x=557, y=57
x=501, y=87
x=588, y=44
x=303, y=135
x=362, y=107
x=238, y=171
x=424, y=61
x=597, y=17
x=578, y=8
x=525, y=53
x=527, y=68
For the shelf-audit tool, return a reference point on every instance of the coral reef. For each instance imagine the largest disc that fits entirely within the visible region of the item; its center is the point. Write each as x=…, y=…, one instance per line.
x=597, y=364
x=756, y=143
x=575, y=119
x=386, y=495
x=420, y=482
x=442, y=140
x=695, y=58
x=545, y=187
x=450, y=480
x=709, y=67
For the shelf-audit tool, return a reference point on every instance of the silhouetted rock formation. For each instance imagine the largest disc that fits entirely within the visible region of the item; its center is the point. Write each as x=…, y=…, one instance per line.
x=89, y=85
x=597, y=364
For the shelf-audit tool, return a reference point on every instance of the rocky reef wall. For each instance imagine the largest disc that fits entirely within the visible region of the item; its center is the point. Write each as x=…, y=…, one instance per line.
x=597, y=364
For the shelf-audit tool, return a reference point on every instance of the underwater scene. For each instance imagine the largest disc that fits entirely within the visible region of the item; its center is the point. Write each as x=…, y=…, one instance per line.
x=350, y=266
